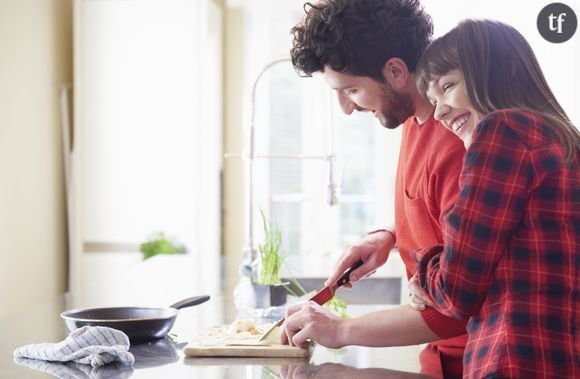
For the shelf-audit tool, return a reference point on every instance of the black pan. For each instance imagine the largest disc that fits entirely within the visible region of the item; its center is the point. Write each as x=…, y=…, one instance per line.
x=140, y=324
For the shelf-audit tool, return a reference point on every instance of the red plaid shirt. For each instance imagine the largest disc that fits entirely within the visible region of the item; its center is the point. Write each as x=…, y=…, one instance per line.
x=511, y=255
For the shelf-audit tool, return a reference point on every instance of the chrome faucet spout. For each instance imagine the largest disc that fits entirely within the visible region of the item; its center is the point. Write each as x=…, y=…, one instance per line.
x=331, y=190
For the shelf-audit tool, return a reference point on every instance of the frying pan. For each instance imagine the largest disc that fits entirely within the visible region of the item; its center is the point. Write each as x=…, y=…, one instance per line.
x=140, y=324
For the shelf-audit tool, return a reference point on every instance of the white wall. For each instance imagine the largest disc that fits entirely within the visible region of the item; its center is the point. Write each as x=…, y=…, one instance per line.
x=35, y=59
x=234, y=196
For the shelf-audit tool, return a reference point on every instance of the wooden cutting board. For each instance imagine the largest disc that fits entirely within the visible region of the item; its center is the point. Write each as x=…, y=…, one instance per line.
x=218, y=341
x=262, y=351
x=244, y=361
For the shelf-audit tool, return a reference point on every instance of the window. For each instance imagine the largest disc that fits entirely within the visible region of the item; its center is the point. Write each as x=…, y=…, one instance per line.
x=299, y=131
x=147, y=153
x=293, y=119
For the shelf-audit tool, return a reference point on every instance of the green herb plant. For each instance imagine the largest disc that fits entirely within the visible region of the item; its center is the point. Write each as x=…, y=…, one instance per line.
x=159, y=243
x=271, y=254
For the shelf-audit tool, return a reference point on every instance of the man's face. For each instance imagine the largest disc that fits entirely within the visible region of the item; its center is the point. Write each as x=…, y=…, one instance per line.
x=364, y=94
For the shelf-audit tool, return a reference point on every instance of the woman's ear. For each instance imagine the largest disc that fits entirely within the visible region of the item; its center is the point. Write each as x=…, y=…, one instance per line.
x=396, y=73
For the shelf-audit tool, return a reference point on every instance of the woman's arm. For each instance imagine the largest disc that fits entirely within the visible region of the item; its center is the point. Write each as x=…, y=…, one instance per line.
x=494, y=185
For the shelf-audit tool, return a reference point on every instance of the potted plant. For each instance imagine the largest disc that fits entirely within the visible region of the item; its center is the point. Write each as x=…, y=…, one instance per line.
x=159, y=243
x=268, y=286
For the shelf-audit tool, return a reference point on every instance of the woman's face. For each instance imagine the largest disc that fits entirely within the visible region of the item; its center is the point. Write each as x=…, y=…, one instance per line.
x=453, y=108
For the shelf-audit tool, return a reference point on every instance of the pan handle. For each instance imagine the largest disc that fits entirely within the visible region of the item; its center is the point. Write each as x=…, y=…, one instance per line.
x=190, y=301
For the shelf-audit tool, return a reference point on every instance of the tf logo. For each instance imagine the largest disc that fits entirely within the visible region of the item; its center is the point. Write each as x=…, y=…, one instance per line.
x=557, y=22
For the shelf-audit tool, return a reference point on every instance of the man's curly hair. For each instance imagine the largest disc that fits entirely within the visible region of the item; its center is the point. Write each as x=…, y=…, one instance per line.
x=358, y=37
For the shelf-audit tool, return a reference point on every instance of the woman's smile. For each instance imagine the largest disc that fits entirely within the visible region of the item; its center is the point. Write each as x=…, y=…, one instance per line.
x=458, y=122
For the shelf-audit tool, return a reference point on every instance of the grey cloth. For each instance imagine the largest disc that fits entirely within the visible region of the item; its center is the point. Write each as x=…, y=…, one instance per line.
x=90, y=345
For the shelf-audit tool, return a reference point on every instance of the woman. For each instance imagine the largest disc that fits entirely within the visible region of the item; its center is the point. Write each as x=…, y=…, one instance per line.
x=510, y=262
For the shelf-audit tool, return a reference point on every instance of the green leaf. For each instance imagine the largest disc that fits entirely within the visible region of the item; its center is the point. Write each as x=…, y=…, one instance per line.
x=337, y=306
x=159, y=243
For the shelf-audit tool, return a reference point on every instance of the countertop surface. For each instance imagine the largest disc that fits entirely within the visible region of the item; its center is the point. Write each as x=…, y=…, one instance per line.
x=165, y=359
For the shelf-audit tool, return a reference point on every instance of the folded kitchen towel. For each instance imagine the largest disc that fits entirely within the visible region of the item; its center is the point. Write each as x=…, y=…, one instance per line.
x=91, y=345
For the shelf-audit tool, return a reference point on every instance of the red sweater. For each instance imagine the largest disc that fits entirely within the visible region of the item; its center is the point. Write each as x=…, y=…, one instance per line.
x=430, y=161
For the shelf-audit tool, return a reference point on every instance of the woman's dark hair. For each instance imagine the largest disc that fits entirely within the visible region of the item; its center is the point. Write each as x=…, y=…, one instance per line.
x=358, y=37
x=500, y=71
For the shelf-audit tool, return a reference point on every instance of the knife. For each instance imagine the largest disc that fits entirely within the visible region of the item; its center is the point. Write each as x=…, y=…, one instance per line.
x=322, y=296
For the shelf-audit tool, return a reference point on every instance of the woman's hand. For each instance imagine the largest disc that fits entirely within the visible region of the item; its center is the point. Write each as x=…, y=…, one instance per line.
x=417, y=298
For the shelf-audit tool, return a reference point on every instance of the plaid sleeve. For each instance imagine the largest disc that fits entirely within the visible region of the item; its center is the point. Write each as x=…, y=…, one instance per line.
x=494, y=184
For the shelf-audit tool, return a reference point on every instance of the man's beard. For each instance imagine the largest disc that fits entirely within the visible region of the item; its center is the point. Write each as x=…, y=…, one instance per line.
x=397, y=107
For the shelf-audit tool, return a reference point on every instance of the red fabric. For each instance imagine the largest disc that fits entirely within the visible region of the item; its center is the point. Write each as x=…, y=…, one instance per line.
x=443, y=362
x=430, y=161
x=511, y=255
x=431, y=362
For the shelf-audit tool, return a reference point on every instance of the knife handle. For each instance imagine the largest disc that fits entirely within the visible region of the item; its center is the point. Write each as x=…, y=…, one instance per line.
x=345, y=278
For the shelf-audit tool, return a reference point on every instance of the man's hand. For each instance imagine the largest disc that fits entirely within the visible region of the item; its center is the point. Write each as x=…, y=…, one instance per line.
x=310, y=321
x=417, y=297
x=373, y=250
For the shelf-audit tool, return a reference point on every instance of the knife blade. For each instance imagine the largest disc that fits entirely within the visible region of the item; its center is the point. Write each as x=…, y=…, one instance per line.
x=322, y=296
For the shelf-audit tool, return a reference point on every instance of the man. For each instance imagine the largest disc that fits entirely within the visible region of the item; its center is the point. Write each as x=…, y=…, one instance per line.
x=367, y=51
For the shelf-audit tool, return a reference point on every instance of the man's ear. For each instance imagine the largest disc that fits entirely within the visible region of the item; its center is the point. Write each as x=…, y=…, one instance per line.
x=396, y=73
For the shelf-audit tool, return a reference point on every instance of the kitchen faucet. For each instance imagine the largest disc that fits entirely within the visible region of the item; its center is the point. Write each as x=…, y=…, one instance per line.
x=331, y=190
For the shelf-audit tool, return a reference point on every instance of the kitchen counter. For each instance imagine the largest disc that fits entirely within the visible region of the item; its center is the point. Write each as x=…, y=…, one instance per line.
x=165, y=359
